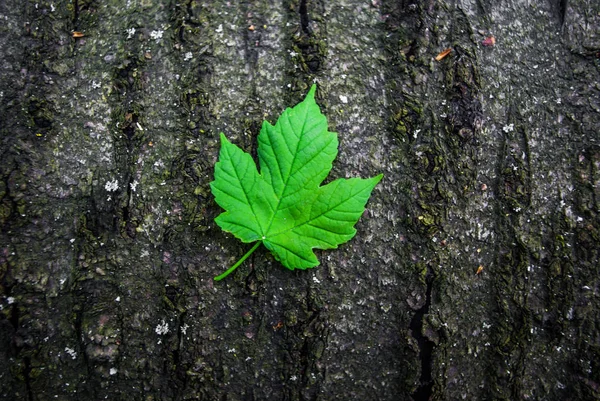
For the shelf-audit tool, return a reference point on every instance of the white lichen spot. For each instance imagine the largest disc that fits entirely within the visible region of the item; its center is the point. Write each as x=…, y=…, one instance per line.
x=294, y=378
x=72, y=240
x=130, y=33
x=184, y=329
x=219, y=29
x=508, y=128
x=112, y=371
x=52, y=7
x=96, y=85
x=72, y=353
x=118, y=299
x=162, y=328
x=133, y=185
x=344, y=99
x=10, y=300
x=232, y=350
x=145, y=253
x=188, y=56
x=156, y=34
x=111, y=186
x=316, y=280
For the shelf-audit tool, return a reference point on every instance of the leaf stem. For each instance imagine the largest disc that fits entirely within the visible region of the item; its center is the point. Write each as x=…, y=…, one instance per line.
x=239, y=262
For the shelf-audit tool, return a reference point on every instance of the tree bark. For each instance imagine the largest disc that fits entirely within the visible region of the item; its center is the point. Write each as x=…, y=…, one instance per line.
x=474, y=274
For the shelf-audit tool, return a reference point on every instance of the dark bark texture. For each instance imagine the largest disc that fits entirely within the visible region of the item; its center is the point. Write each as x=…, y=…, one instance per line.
x=474, y=274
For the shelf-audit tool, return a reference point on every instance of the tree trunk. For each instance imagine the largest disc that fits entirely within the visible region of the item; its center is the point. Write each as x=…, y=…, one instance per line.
x=474, y=274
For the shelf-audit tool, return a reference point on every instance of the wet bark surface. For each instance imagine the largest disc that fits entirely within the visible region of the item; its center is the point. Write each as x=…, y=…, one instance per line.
x=474, y=273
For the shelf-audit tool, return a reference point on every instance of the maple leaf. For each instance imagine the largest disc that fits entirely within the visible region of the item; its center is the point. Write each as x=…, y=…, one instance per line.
x=284, y=206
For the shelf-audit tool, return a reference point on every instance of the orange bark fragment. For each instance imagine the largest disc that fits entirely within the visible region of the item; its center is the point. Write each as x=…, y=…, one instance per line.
x=489, y=41
x=443, y=54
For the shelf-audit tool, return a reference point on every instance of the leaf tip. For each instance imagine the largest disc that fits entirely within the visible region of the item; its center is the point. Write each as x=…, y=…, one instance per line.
x=377, y=178
x=311, y=92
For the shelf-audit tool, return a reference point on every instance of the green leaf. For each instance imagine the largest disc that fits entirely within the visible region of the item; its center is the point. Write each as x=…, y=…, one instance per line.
x=284, y=206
